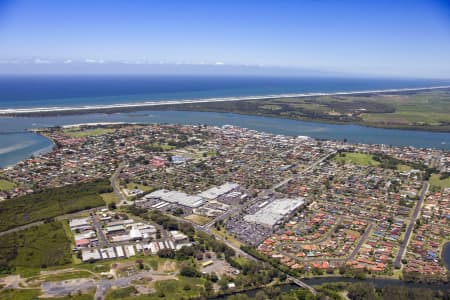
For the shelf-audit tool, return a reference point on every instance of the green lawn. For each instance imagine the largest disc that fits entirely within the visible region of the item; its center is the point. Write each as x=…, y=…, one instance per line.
x=51, y=203
x=76, y=132
x=438, y=183
x=360, y=159
x=31, y=294
x=403, y=168
x=6, y=185
x=39, y=246
x=110, y=197
x=141, y=187
x=19, y=294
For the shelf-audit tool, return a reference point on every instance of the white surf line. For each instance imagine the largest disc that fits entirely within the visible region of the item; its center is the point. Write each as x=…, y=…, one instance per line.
x=15, y=111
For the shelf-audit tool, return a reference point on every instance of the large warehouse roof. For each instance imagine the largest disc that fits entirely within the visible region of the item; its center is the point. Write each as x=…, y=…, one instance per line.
x=275, y=211
x=177, y=197
x=217, y=191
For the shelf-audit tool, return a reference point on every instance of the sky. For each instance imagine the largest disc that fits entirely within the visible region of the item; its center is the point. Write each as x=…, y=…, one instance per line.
x=403, y=38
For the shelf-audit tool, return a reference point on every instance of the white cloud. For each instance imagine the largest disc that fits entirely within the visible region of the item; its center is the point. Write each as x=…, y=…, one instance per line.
x=68, y=61
x=219, y=63
x=94, y=61
x=41, y=61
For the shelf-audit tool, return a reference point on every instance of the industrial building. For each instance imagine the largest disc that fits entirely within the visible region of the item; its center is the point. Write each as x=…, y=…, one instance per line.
x=275, y=211
x=176, y=197
x=217, y=191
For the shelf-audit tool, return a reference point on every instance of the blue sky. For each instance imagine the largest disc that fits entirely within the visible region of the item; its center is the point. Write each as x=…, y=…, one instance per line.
x=407, y=38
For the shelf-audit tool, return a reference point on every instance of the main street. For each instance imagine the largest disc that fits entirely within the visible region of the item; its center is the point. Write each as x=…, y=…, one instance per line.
x=116, y=186
x=412, y=223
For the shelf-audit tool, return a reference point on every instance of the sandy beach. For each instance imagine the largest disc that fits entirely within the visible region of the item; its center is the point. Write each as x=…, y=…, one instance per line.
x=149, y=104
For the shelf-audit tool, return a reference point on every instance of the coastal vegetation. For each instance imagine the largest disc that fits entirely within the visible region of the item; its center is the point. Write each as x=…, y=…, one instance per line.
x=40, y=246
x=51, y=203
x=420, y=110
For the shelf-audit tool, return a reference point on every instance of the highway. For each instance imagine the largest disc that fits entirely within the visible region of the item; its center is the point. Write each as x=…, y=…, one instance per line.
x=412, y=223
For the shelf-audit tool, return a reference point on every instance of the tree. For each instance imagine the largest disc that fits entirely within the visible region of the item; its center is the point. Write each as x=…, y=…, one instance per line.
x=166, y=253
x=362, y=291
x=223, y=283
x=112, y=206
x=260, y=295
x=189, y=271
x=208, y=287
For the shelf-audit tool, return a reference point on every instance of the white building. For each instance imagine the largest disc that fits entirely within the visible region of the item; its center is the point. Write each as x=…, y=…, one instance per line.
x=273, y=212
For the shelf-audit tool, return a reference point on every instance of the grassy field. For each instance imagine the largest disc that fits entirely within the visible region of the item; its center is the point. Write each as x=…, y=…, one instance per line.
x=6, y=185
x=77, y=133
x=183, y=288
x=36, y=247
x=403, y=168
x=360, y=159
x=51, y=203
x=32, y=294
x=197, y=219
x=427, y=110
x=437, y=183
x=110, y=197
x=19, y=294
x=145, y=188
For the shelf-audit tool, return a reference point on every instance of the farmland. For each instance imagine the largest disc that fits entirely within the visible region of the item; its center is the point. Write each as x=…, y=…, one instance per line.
x=424, y=110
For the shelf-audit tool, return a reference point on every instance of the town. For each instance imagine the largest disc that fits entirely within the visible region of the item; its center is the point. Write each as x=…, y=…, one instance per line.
x=308, y=207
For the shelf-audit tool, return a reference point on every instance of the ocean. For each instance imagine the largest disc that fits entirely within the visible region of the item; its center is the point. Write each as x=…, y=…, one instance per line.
x=48, y=91
x=25, y=92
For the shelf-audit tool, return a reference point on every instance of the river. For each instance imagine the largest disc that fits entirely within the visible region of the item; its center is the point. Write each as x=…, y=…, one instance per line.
x=377, y=282
x=13, y=136
x=446, y=255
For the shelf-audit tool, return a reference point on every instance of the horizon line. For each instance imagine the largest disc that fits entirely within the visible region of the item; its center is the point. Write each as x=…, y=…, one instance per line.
x=144, y=104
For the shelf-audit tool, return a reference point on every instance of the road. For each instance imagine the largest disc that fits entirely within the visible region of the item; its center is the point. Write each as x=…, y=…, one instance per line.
x=98, y=228
x=313, y=165
x=361, y=242
x=116, y=187
x=412, y=223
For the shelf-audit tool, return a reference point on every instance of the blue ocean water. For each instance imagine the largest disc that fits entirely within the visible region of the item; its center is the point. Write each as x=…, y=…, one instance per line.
x=20, y=145
x=44, y=91
x=21, y=91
